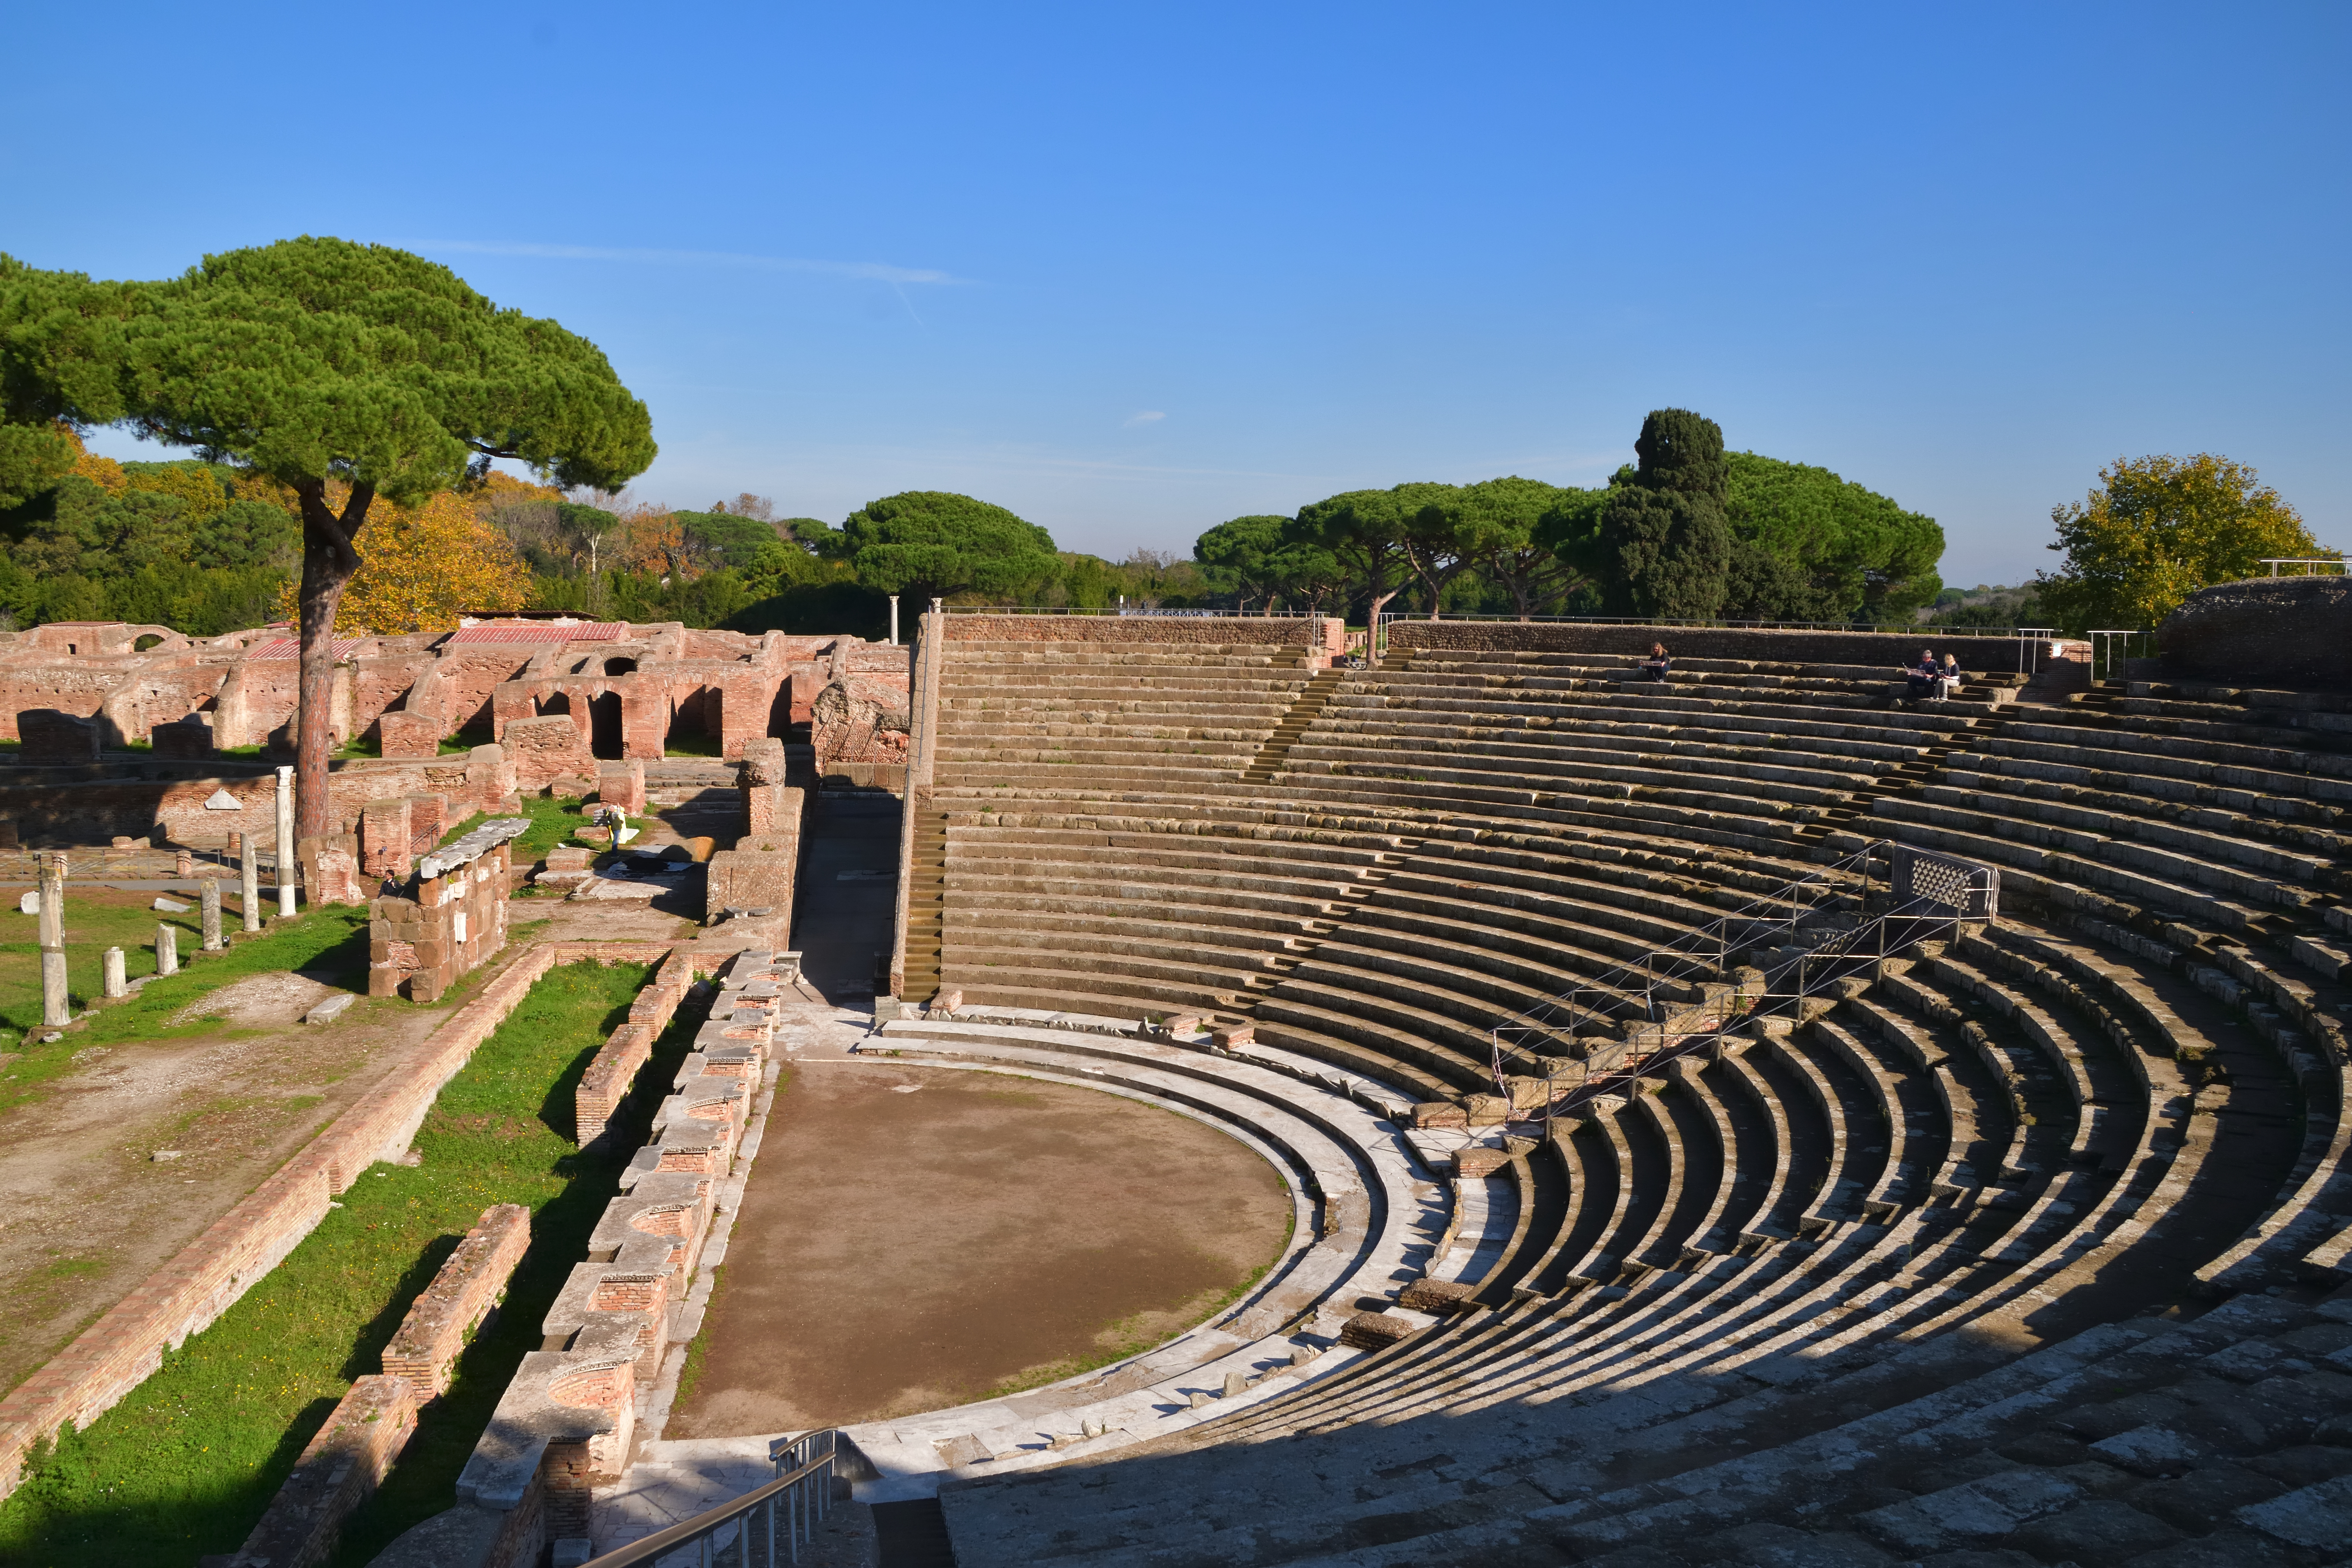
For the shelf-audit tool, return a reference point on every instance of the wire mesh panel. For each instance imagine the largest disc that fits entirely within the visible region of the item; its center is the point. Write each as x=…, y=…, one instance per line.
x=1970, y=891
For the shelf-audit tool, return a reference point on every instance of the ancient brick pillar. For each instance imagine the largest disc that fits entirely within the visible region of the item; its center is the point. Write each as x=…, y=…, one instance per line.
x=384, y=837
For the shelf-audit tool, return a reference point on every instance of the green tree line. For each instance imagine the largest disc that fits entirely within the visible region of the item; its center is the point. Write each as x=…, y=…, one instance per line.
x=1688, y=532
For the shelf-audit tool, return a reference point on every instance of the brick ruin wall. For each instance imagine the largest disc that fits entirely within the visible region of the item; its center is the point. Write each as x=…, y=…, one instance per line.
x=245, y=684
x=421, y=941
x=364, y=1435
x=92, y=811
x=565, y=1423
x=76, y=692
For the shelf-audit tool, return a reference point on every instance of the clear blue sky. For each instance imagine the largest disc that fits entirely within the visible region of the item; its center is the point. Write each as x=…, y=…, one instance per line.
x=1131, y=271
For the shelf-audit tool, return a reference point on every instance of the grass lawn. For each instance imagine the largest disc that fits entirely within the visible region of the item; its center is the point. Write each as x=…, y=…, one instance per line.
x=552, y=822
x=186, y=1463
x=329, y=943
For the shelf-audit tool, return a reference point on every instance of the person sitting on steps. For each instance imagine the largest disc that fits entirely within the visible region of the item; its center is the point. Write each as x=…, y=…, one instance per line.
x=1924, y=677
x=1658, y=663
x=1951, y=677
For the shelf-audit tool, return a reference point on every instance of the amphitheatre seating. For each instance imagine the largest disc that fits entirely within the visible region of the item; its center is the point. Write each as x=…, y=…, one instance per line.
x=1916, y=1221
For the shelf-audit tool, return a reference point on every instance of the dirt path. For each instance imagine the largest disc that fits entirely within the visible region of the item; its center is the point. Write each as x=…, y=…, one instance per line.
x=914, y=1236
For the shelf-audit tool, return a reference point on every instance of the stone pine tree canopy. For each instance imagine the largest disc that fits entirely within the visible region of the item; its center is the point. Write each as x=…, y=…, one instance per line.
x=930, y=544
x=1690, y=532
x=343, y=371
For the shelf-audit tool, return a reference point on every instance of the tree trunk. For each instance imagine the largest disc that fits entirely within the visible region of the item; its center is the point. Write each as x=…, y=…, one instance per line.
x=328, y=561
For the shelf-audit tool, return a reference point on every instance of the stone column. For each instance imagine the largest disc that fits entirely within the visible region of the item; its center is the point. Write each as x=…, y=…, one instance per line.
x=210, y=901
x=248, y=882
x=167, y=949
x=54, y=1008
x=285, y=843
x=115, y=984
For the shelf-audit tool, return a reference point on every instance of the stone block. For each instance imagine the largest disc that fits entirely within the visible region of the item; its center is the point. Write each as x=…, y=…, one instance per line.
x=1440, y=1297
x=1438, y=1113
x=544, y=750
x=750, y=882
x=50, y=738
x=623, y=784
x=1374, y=1331
x=1485, y=1110
x=183, y=739
x=1478, y=1161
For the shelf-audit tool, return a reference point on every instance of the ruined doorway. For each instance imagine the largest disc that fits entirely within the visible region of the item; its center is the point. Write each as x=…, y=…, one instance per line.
x=605, y=726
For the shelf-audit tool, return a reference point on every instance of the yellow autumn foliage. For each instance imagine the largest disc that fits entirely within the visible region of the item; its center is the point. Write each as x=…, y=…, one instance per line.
x=192, y=484
x=423, y=567
x=2157, y=530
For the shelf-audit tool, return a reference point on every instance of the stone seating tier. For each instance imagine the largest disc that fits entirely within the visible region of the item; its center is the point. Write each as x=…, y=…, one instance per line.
x=2022, y=1133
x=1838, y=1306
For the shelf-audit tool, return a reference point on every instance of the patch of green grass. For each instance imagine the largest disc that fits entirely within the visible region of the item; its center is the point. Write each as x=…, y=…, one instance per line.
x=552, y=822
x=186, y=1463
x=692, y=746
x=690, y=1376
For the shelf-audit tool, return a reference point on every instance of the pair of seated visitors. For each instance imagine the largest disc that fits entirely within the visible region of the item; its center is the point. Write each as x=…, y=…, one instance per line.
x=1928, y=679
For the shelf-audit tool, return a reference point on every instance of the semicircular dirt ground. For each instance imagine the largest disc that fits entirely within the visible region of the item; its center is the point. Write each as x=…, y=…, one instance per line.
x=901, y=1251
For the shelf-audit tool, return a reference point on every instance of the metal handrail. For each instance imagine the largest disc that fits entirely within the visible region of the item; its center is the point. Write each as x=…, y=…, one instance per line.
x=1603, y=1066
x=2274, y=562
x=806, y=1491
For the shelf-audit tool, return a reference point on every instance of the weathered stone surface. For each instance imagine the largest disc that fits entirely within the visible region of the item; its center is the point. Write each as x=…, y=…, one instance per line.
x=1437, y=1296
x=545, y=749
x=1374, y=1331
x=2265, y=632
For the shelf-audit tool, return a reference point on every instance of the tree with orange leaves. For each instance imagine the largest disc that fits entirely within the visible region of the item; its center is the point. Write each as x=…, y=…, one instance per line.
x=654, y=542
x=423, y=567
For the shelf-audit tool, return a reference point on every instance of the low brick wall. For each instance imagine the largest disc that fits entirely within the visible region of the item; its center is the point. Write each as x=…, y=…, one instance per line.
x=116, y=1353
x=426, y=1347
x=341, y=1469
x=1990, y=655
x=613, y=1069
x=565, y=1421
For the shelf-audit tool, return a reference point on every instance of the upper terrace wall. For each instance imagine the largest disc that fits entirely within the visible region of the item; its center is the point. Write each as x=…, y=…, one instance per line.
x=1281, y=631
x=1990, y=655
x=2292, y=632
